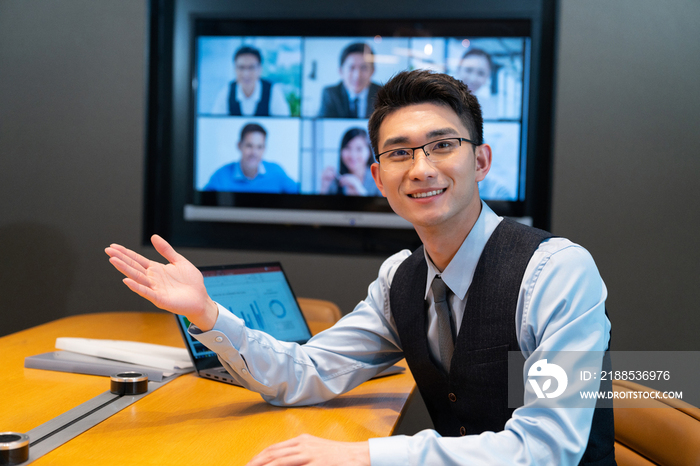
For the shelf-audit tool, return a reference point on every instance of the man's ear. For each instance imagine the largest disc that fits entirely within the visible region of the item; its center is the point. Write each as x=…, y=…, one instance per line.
x=482, y=161
x=377, y=178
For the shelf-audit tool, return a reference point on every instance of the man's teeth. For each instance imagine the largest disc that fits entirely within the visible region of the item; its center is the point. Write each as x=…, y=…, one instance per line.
x=428, y=194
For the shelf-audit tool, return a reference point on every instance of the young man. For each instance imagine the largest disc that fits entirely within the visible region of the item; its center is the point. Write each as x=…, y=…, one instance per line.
x=251, y=173
x=479, y=286
x=249, y=94
x=353, y=96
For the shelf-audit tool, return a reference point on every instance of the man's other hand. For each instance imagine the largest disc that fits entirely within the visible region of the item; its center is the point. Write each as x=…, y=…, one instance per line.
x=309, y=450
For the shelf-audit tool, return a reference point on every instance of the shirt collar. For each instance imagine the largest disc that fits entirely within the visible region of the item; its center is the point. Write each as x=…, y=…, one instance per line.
x=362, y=95
x=238, y=172
x=254, y=97
x=459, y=272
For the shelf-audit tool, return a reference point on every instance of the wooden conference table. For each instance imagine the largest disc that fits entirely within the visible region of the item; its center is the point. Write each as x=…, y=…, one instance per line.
x=190, y=420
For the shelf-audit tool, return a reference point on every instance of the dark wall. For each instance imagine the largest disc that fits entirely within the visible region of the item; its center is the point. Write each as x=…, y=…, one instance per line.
x=71, y=163
x=626, y=160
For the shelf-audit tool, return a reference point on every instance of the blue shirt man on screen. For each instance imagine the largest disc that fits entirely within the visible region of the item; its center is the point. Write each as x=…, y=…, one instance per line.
x=441, y=307
x=252, y=173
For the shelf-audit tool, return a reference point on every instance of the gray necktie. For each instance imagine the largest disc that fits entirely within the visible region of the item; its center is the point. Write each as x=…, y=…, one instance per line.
x=355, y=108
x=442, y=308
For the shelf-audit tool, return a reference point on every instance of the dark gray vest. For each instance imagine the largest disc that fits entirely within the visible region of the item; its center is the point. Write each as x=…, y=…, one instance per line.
x=263, y=107
x=473, y=397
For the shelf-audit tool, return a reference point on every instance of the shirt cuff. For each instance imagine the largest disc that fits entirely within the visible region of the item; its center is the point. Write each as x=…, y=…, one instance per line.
x=227, y=324
x=388, y=451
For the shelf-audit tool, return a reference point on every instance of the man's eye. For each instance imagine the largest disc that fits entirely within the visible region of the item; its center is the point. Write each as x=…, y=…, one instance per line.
x=399, y=154
x=444, y=145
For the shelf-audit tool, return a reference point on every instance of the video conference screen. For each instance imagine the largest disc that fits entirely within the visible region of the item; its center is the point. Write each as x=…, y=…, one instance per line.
x=288, y=115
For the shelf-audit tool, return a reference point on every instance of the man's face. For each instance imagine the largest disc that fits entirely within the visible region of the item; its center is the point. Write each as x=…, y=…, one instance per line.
x=252, y=148
x=356, y=72
x=474, y=71
x=452, y=199
x=248, y=71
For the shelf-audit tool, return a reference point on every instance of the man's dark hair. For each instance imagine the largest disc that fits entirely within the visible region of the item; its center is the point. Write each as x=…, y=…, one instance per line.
x=349, y=135
x=357, y=47
x=247, y=50
x=252, y=128
x=423, y=86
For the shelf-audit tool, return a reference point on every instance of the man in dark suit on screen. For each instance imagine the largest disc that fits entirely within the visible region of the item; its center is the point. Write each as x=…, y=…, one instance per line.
x=354, y=96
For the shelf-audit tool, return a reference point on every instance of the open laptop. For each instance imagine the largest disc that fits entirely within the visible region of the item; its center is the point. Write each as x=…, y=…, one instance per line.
x=259, y=294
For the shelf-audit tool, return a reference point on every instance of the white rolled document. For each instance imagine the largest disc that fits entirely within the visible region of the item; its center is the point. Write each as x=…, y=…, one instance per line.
x=145, y=354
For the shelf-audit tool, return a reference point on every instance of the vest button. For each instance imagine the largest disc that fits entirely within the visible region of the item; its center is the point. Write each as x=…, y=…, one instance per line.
x=462, y=431
x=452, y=397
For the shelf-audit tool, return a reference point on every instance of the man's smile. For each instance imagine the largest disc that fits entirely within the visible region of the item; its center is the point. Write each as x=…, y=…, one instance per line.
x=427, y=194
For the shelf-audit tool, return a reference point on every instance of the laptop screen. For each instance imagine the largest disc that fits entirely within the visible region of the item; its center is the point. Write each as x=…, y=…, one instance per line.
x=260, y=295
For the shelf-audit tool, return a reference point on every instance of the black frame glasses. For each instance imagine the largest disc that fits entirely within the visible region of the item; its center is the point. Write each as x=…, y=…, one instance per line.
x=412, y=150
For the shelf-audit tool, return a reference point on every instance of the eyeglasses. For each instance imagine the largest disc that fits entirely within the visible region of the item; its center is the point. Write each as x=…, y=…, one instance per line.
x=435, y=151
x=247, y=67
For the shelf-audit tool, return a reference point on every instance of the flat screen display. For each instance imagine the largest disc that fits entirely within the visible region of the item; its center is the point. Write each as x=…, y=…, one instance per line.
x=258, y=111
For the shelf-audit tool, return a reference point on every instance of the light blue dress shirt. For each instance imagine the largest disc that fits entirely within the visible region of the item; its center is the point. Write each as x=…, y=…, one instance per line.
x=561, y=306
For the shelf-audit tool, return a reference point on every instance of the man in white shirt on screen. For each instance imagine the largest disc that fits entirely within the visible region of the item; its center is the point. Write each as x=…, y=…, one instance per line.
x=527, y=292
x=249, y=94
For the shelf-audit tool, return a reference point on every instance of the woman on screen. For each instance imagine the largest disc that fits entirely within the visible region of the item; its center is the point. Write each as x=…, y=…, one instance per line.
x=476, y=71
x=354, y=177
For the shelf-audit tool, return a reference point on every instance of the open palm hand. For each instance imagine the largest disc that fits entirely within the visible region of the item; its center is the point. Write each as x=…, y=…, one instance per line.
x=177, y=286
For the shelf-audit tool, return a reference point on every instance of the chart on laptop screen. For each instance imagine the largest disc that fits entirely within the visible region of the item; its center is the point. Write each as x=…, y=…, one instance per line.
x=261, y=297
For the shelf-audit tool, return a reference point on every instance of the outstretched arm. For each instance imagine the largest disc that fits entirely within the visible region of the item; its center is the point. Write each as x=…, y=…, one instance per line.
x=177, y=287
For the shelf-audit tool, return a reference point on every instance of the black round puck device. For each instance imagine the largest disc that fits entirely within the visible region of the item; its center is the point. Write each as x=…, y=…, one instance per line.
x=14, y=448
x=129, y=383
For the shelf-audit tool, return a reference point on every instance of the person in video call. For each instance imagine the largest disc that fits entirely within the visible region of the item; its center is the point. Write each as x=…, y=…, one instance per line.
x=353, y=96
x=477, y=287
x=249, y=94
x=355, y=176
x=475, y=70
x=251, y=173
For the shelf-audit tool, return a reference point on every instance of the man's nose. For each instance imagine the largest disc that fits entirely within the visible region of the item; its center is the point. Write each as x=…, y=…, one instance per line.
x=421, y=167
